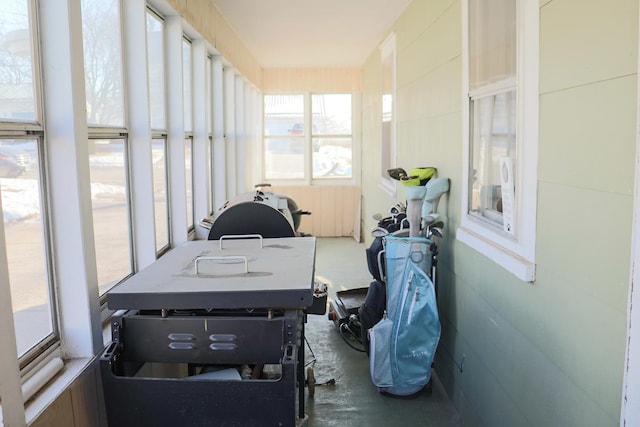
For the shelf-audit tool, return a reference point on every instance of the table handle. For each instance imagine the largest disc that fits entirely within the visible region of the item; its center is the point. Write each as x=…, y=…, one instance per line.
x=222, y=258
x=241, y=236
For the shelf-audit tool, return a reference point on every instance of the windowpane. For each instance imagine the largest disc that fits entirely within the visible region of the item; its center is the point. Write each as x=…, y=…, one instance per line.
x=210, y=176
x=284, y=136
x=23, y=226
x=493, y=163
x=332, y=157
x=16, y=69
x=187, y=85
x=161, y=207
x=188, y=153
x=209, y=96
x=388, y=136
x=331, y=114
x=155, y=64
x=284, y=115
x=209, y=130
x=284, y=158
x=107, y=162
x=492, y=41
x=103, y=62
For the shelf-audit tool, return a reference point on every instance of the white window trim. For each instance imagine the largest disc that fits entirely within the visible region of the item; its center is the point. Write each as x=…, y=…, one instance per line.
x=240, y=133
x=229, y=96
x=516, y=255
x=174, y=37
x=388, y=47
x=218, y=162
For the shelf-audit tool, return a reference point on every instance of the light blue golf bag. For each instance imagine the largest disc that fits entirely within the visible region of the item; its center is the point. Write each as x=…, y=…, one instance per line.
x=403, y=343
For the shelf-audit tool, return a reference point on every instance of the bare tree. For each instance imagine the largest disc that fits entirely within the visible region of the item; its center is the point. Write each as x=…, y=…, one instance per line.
x=102, y=60
x=16, y=67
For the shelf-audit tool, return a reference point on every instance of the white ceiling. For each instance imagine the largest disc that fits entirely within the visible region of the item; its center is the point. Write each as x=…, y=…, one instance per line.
x=311, y=33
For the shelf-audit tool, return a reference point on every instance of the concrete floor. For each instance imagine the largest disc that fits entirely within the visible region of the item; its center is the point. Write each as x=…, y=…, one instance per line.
x=353, y=400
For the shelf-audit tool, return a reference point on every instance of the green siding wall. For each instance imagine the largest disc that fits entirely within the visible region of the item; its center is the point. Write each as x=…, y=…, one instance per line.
x=548, y=353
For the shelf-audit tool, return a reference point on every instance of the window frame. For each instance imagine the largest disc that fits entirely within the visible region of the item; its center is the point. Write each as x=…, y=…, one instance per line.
x=218, y=119
x=99, y=134
x=316, y=134
x=108, y=132
x=188, y=125
x=151, y=13
x=52, y=339
x=160, y=133
x=514, y=253
x=209, y=131
x=307, y=136
x=34, y=130
x=388, y=49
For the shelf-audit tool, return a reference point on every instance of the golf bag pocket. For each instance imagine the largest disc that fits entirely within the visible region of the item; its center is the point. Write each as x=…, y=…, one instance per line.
x=416, y=333
x=380, y=355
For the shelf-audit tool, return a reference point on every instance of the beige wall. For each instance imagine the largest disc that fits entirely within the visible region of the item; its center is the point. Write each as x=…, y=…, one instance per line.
x=311, y=80
x=335, y=210
x=203, y=16
x=548, y=353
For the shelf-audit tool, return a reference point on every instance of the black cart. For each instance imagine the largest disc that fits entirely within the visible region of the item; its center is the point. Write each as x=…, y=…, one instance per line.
x=212, y=334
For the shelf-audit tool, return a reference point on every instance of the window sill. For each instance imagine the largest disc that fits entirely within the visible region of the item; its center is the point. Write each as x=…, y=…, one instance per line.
x=50, y=392
x=518, y=266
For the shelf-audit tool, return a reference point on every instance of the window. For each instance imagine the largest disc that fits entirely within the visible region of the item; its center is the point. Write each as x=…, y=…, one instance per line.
x=187, y=84
x=188, y=178
x=218, y=119
x=187, y=91
x=22, y=185
x=22, y=211
x=17, y=97
x=103, y=62
x=157, y=112
x=284, y=136
x=108, y=170
x=155, y=62
x=492, y=97
x=161, y=204
x=498, y=217
x=308, y=137
x=209, y=131
x=388, y=90
x=107, y=141
x=331, y=135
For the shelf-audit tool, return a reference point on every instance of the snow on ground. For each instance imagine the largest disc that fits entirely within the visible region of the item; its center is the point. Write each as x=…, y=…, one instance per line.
x=20, y=196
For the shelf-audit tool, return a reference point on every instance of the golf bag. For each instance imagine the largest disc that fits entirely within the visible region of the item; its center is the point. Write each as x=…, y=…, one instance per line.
x=403, y=343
